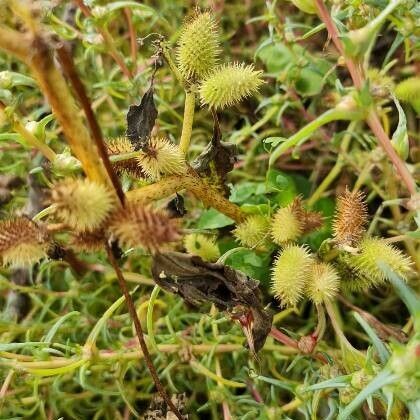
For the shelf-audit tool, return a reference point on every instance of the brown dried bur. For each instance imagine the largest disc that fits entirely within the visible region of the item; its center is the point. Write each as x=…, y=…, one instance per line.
x=139, y=226
x=198, y=282
x=120, y=146
x=350, y=218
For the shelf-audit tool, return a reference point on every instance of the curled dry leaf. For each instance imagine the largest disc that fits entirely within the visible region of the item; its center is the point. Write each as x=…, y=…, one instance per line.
x=198, y=282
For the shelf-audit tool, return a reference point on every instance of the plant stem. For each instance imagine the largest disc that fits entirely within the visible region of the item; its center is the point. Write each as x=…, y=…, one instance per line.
x=109, y=42
x=187, y=123
x=204, y=191
x=28, y=136
x=336, y=169
x=67, y=64
x=372, y=118
x=140, y=334
x=304, y=133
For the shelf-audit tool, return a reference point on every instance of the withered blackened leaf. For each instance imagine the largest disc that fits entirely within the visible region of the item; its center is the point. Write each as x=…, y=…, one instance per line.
x=176, y=207
x=197, y=282
x=141, y=119
x=218, y=158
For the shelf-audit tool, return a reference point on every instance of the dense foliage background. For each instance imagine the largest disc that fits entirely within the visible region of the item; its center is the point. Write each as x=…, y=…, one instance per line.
x=67, y=345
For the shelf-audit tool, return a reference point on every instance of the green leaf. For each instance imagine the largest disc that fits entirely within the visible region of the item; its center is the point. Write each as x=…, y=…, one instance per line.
x=276, y=57
x=400, y=137
x=213, y=219
x=376, y=341
x=277, y=181
x=252, y=264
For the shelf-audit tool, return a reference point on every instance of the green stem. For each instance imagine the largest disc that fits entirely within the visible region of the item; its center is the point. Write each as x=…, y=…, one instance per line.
x=305, y=132
x=335, y=171
x=187, y=123
x=44, y=212
x=171, y=64
x=149, y=318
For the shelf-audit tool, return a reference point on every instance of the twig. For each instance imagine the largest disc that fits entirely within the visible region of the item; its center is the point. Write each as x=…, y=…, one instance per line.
x=140, y=334
x=133, y=37
x=383, y=330
x=108, y=41
x=67, y=64
x=372, y=119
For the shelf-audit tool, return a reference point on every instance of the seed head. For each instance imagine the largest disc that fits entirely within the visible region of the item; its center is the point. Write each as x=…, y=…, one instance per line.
x=350, y=218
x=372, y=251
x=198, y=47
x=307, y=6
x=22, y=242
x=291, y=273
x=161, y=157
x=122, y=145
x=137, y=226
x=408, y=90
x=287, y=224
x=253, y=232
x=203, y=246
x=89, y=241
x=81, y=204
x=323, y=284
x=230, y=84
x=311, y=220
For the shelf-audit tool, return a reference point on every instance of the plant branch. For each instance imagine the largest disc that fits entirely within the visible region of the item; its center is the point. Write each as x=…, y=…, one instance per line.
x=305, y=132
x=140, y=334
x=372, y=119
x=67, y=64
x=187, y=123
x=108, y=41
x=27, y=135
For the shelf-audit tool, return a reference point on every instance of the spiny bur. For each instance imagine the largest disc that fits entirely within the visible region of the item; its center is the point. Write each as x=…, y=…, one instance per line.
x=253, y=232
x=408, y=90
x=230, y=84
x=22, y=242
x=138, y=226
x=350, y=218
x=89, y=241
x=291, y=274
x=120, y=146
x=324, y=283
x=307, y=6
x=198, y=47
x=161, y=157
x=81, y=204
x=287, y=224
x=202, y=245
x=372, y=251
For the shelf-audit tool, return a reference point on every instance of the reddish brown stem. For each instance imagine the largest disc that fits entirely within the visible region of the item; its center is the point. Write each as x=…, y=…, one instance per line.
x=140, y=334
x=108, y=40
x=372, y=119
x=283, y=338
x=132, y=33
x=69, y=69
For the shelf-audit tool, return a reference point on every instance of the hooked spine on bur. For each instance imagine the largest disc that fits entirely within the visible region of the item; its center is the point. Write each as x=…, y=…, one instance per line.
x=22, y=242
x=290, y=274
x=350, y=218
x=229, y=84
x=139, y=226
x=202, y=245
x=119, y=146
x=253, y=232
x=81, y=204
x=372, y=251
x=198, y=47
x=161, y=157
